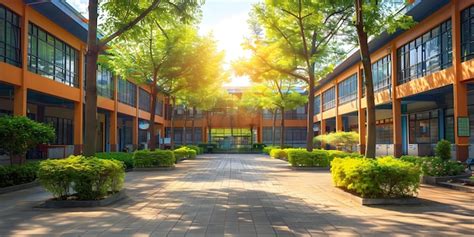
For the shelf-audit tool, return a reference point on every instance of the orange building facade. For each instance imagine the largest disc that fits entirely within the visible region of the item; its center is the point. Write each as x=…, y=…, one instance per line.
x=423, y=79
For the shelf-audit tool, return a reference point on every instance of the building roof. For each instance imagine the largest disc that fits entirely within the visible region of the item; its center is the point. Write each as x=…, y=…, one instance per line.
x=419, y=10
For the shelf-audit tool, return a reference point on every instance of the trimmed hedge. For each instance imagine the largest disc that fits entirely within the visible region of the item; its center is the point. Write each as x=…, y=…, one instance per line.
x=156, y=158
x=278, y=153
x=199, y=150
x=435, y=166
x=90, y=178
x=184, y=153
x=384, y=177
x=304, y=158
x=268, y=149
x=18, y=174
x=125, y=157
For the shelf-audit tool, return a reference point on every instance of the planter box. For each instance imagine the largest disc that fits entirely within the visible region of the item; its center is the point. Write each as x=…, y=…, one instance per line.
x=379, y=201
x=85, y=203
x=308, y=168
x=433, y=180
x=19, y=187
x=457, y=186
x=155, y=168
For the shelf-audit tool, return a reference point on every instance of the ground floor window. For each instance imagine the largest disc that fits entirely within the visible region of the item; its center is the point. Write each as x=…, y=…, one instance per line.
x=179, y=136
x=384, y=131
x=294, y=136
x=63, y=128
x=424, y=127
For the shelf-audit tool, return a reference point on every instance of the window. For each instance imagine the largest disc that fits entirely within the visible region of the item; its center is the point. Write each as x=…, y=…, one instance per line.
x=105, y=82
x=427, y=54
x=382, y=74
x=317, y=104
x=384, y=131
x=63, y=128
x=144, y=100
x=10, y=40
x=127, y=92
x=159, y=107
x=329, y=99
x=294, y=136
x=347, y=89
x=296, y=114
x=51, y=57
x=467, y=34
x=424, y=128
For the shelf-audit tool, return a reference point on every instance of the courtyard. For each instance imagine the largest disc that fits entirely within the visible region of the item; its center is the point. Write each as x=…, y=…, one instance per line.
x=237, y=195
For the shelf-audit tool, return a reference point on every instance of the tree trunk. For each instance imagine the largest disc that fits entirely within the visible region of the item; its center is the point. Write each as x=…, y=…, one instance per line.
x=183, y=138
x=369, y=85
x=154, y=94
x=90, y=123
x=309, y=119
x=282, y=128
x=173, y=105
x=209, y=126
x=193, y=128
x=274, y=114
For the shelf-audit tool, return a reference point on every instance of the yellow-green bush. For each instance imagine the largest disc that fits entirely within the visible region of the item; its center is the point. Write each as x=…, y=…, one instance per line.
x=89, y=178
x=278, y=153
x=199, y=150
x=435, y=166
x=125, y=157
x=304, y=158
x=156, y=158
x=384, y=177
x=184, y=153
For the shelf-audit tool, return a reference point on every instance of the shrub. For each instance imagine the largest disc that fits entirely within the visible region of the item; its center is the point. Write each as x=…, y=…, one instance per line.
x=443, y=150
x=184, y=153
x=268, y=149
x=435, y=166
x=258, y=146
x=199, y=150
x=341, y=154
x=156, y=158
x=18, y=174
x=19, y=134
x=89, y=177
x=278, y=153
x=303, y=158
x=339, y=139
x=384, y=177
x=125, y=157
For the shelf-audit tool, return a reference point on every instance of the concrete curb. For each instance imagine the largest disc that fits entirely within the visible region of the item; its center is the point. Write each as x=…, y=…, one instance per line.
x=457, y=186
x=155, y=169
x=433, y=180
x=308, y=168
x=19, y=187
x=379, y=201
x=84, y=203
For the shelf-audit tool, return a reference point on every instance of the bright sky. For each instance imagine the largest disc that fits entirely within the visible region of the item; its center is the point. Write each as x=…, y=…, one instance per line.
x=227, y=19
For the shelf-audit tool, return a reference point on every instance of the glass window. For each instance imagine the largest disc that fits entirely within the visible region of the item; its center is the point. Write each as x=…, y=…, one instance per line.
x=52, y=58
x=127, y=92
x=424, y=128
x=144, y=100
x=426, y=54
x=347, y=89
x=329, y=99
x=105, y=82
x=317, y=105
x=10, y=40
x=159, y=107
x=467, y=33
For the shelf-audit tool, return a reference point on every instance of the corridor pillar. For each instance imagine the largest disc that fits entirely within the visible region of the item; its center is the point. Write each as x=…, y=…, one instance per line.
x=396, y=108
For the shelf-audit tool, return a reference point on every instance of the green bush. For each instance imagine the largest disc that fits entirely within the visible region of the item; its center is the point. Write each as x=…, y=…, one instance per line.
x=443, y=150
x=338, y=139
x=18, y=174
x=184, y=153
x=268, y=149
x=199, y=150
x=258, y=146
x=278, y=153
x=303, y=158
x=125, y=157
x=89, y=178
x=341, y=154
x=156, y=158
x=384, y=177
x=435, y=166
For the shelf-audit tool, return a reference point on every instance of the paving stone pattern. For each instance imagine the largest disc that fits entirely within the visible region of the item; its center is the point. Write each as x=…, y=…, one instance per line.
x=238, y=195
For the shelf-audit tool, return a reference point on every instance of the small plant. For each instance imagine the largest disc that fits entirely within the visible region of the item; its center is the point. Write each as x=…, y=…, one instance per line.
x=18, y=174
x=184, y=153
x=19, y=134
x=125, y=157
x=435, y=166
x=156, y=158
x=443, y=150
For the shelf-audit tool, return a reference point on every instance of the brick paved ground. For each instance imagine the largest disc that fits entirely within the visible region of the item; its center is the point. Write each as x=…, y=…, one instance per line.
x=238, y=195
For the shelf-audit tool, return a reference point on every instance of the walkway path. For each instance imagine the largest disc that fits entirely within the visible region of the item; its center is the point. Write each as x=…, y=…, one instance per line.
x=237, y=195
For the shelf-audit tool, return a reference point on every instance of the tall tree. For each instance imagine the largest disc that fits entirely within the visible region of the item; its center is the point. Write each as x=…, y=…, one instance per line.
x=118, y=17
x=295, y=38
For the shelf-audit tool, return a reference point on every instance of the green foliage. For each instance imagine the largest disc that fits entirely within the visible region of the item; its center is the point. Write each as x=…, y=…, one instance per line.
x=278, y=153
x=184, y=153
x=339, y=139
x=435, y=166
x=258, y=146
x=125, y=157
x=268, y=149
x=19, y=134
x=89, y=178
x=384, y=177
x=18, y=174
x=199, y=150
x=156, y=158
x=304, y=158
x=443, y=150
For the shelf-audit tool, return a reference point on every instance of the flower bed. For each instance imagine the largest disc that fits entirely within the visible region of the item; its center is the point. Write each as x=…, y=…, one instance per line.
x=153, y=159
x=384, y=177
x=81, y=178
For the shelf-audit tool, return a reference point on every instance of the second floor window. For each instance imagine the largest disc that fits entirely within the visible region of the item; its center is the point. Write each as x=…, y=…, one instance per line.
x=347, y=90
x=317, y=104
x=127, y=92
x=10, y=50
x=51, y=57
x=426, y=54
x=329, y=99
x=105, y=82
x=159, y=107
x=144, y=102
x=467, y=33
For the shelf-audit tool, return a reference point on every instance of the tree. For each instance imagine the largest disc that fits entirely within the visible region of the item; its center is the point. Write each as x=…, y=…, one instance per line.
x=371, y=18
x=295, y=38
x=119, y=17
x=341, y=140
x=19, y=134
